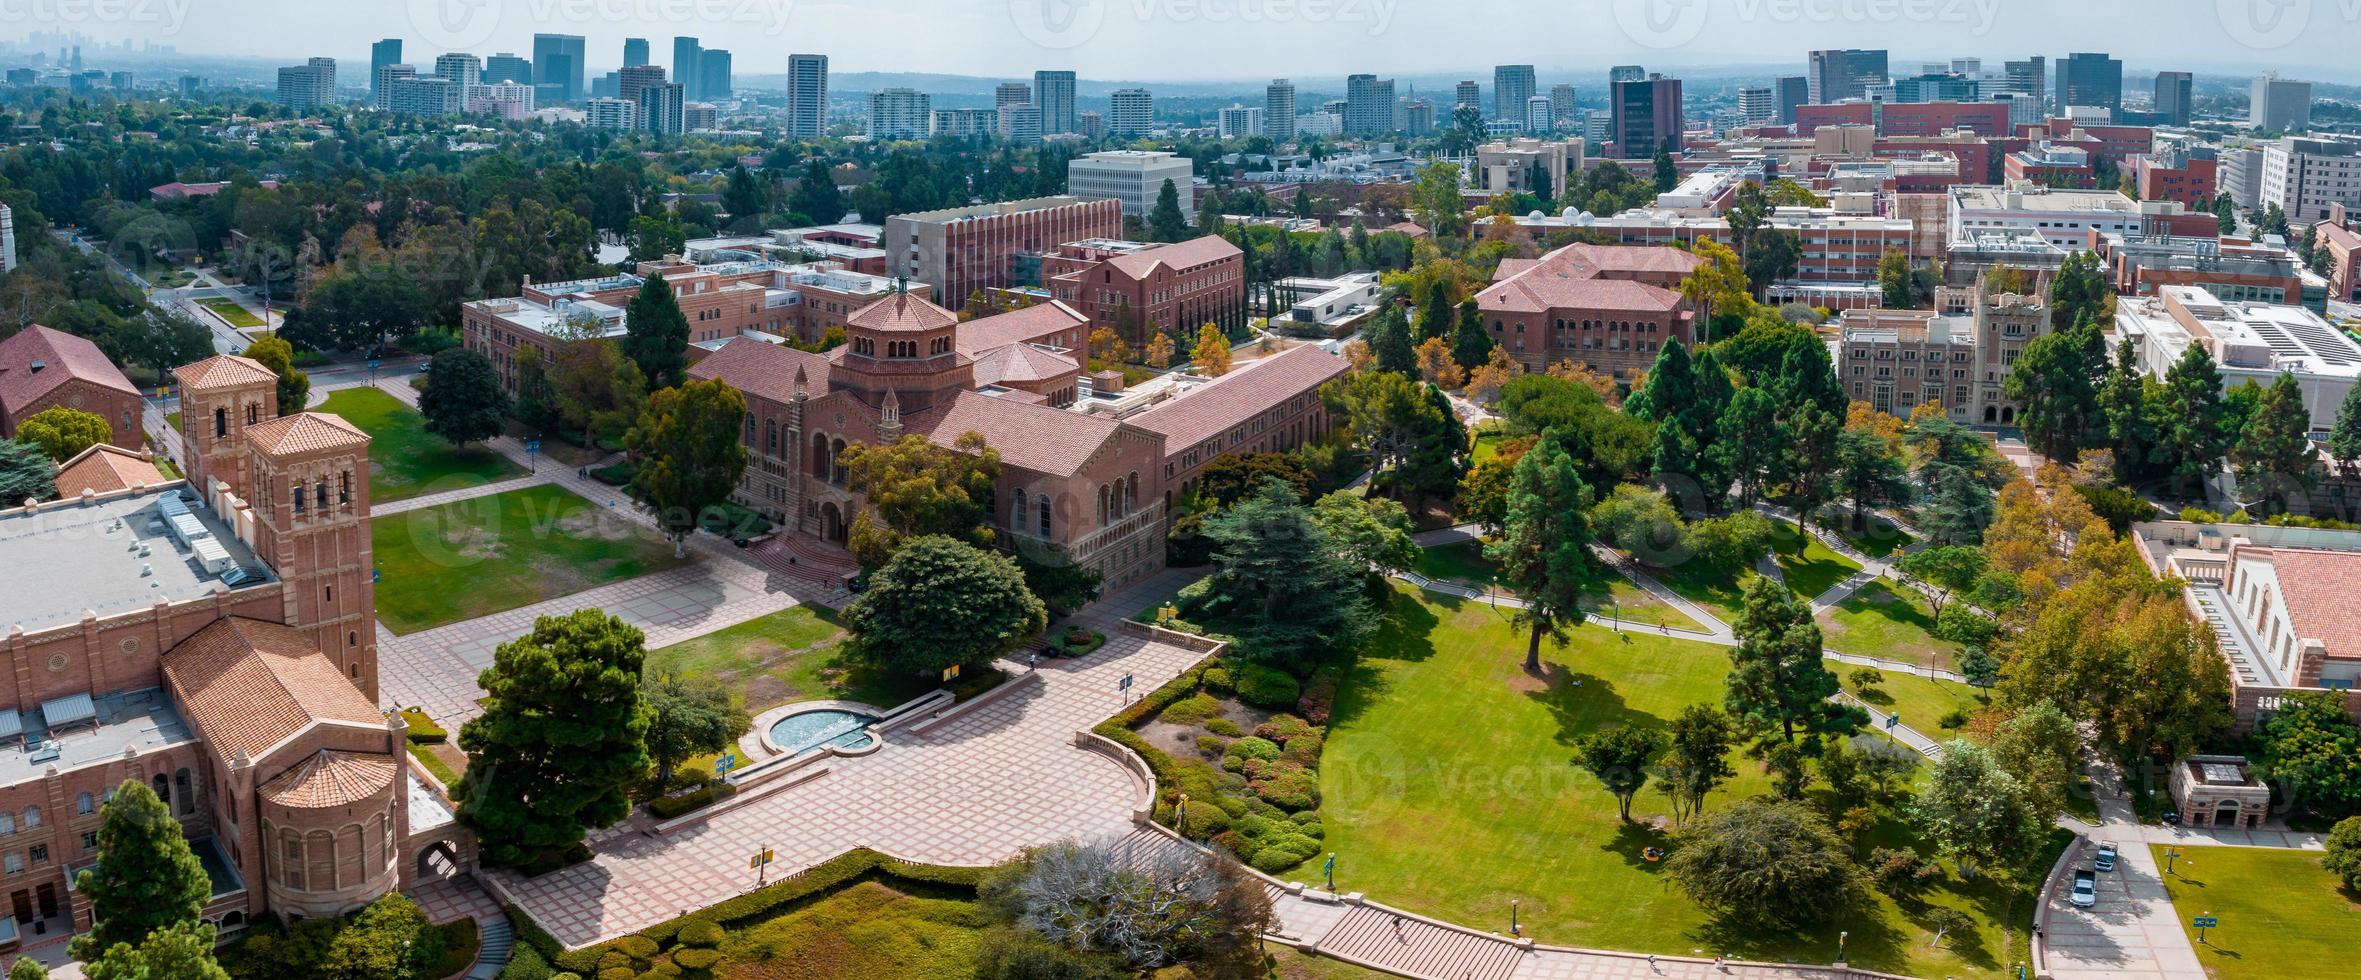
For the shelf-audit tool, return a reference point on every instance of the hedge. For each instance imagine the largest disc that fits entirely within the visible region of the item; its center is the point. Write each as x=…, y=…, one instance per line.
x=668, y=807
x=615, y=475
x=423, y=730
x=761, y=903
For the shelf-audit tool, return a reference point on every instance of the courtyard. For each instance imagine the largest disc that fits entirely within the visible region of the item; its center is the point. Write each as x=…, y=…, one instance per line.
x=471, y=558
x=407, y=461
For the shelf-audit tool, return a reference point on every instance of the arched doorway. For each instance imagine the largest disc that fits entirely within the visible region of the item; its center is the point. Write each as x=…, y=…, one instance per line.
x=832, y=522
x=438, y=861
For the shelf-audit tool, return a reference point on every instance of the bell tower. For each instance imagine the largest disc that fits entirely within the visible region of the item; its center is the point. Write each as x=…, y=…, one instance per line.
x=311, y=507
x=222, y=397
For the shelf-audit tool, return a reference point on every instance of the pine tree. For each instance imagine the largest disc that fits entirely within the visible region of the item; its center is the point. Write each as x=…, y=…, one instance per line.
x=1671, y=386
x=1544, y=546
x=1165, y=221
x=1438, y=317
x=2273, y=453
x=560, y=741
x=146, y=877
x=2056, y=379
x=1471, y=346
x=656, y=334
x=2193, y=437
x=1389, y=339
x=1777, y=676
x=2123, y=403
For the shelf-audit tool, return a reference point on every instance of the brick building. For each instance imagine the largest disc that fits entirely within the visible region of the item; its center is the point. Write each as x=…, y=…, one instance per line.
x=1139, y=290
x=1956, y=356
x=1608, y=306
x=2189, y=176
x=41, y=368
x=1989, y=119
x=2344, y=258
x=966, y=250
x=2230, y=267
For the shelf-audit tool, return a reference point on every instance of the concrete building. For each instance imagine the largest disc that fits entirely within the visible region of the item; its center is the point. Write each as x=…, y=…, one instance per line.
x=1140, y=290
x=1053, y=91
x=1240, y=121
x=1564, y=114
x=1515, y=165
x=1134, y=177
x=2175, y=98
x=2305, y=176
x=899, y=114
x=2341, y=243
x=1368, y=105
x=425, y=95
x=1278, y=111
x=1788, y=92
x=1007, y=94
x=2249, y=342
x=635, y=51
x=1019, y=123
x=2029, y=77
x=507, y=101
x=1838, y=74
x=1607, y=306
x=610, y=114
x=714, y=81
x=1647, y=114
x=2062, y=217
x=2279, y=106
x=1538, y=118
x=2279, y=601
x=308, y=86
x=558, y=68
x=807, y=97
x=1758, y=104
x=2180, y=172
x=2046, y=164
x=382, y=53
x=2232, y=269
x=381, y=85
x=965, y=122
x=663, y=109
x=507, y=68
x=1130, y=112
x=964, y=250
x=1512, y=85
x=2218, y=790
x=1468, y=93
x=2240, y=174
x=634, y=79
x=464, y=70
x=7, y=239
x=2090, y=79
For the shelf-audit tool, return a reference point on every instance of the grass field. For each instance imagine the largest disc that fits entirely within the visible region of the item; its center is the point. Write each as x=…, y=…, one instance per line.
x=238, y=316
x=1886, y=620
x=1448, y=789
x=1816, y=570
x=1722, y=590
x=1609, y=593
x=789, y=655
x=471, y=558
x=2281, y=913
x=404, y=459
x=1922, y=703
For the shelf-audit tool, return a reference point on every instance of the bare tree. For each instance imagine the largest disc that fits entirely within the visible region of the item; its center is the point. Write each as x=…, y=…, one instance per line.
x=1152, y=904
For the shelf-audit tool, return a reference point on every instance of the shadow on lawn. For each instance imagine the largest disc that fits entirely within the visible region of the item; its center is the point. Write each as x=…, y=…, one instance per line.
x=1581, y=703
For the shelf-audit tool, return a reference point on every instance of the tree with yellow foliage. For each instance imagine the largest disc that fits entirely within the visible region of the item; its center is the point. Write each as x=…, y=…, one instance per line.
x=1436, y=366
x=1483, y=383
x=1107, y=347
x=1212, y=353
x=1160, y=350
x=1588, y=377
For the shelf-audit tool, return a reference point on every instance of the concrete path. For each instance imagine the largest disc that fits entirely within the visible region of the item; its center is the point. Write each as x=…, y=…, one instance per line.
x=2133, y=931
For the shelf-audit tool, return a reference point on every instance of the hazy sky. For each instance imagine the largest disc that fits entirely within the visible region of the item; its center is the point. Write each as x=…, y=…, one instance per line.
x=1243, y=39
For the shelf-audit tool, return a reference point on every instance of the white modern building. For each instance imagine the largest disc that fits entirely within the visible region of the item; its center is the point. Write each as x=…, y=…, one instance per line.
x=425, y=95
x=965, y=122
x=2277, y=104
x=1278, y=110
x=610, y=114
x=2249, y=342
x=308, y=86
x=2303, y=175
x=1538, y=118
x=2061, y=216
x=461, y=68
x=1241, y=121
x=899, y=114
x=807, y=96
x=1130, y=112
x=1133, y=177
x=1757, y=104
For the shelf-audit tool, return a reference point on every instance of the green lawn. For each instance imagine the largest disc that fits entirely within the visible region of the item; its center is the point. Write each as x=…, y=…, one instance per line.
x=1888, y=621
x=1880, y=541
x=1448, y=789
x=238, y=316
x=867, y=930
x=1816, y=570
x=790, y=655
x=1608, y=593
x=471, y=558
x=1922, y=703
x=404, y=459
x=1722, y=590
x=2281, y=913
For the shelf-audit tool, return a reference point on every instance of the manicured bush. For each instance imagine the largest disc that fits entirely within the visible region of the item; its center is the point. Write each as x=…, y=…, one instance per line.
x=1266, y=687
x=1273, y=860
x=1288, y=787
x=618, y=973
x=1204, y=821
x=1319, y=697
x=1257, y=749
x=1191, y=710
x=1208, y=745
x=702, y=935
x=1217, y=680
x=668, y=807
x=1282, y=728
x=1224, y=727
x=525, y=963
x=423, y=730
x=696, y=959
x=1303, y=750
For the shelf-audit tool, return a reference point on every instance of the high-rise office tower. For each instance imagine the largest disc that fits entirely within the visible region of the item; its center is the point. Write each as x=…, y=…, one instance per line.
x=1757, y=104
x=558, y=69
x=2087, y=78
x=1053, y=91
x=1130, y=112
x=1278, y=110
x=660, y=108
x=899, y=114
x=461, y=68
x=1789, y=91
x=635, y=51
x=506, y=67
x=2174, y=93
x=688, y=65
x=1537, y=115
x=1626, y=73
x=1562, y=114
x=713, y=74
x=2029, y=77
x=381, y=54
x=381, y=84
x=807, y=96
x=1647, y=114
x=1469, y=94
x=1837, y=74
x=1511, y=86
x=2279, y=105
x=631, y=80
x=1971, y=67
x=1011, y=93
x=308, y=86
x=1368, y=104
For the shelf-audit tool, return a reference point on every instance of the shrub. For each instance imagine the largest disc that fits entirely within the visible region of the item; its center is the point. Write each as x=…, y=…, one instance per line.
x=423, y=730
x=1266, y=687
x=618, y=973
x=668, y=807
x=1272, y=860
x=1898, y=870
x=1208, y=746
x=1010, y=953
x=525, y=963
x=2343, y=857
x=702, y=935
x=696, y=959
x=1204, y=820
x=1217, y=680
x=1958, y=718
x=1304, y=750
x=1288, y=786
x=1223, y=727
x=1964, y=626
x=1319, y=697
x=615, y=475
x=1255, y=748
x=1191, y=710
x=1232, y=763
x=1283, y=728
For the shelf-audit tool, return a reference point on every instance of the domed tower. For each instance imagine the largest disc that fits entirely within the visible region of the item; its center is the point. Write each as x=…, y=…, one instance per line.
x=903, y=345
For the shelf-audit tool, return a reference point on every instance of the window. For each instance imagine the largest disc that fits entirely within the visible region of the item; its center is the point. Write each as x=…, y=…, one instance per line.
x=89, y=841
x=40, y=854
x=13, y=863
x=83, y=804
x=7, y=824
x=32, y=816
x=221, y=422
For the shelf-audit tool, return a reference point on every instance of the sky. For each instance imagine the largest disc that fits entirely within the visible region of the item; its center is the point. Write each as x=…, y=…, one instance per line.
x=1149, y=40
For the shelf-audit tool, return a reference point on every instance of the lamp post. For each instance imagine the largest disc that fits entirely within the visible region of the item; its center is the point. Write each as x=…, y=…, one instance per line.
x=1840, y=945
x=1329, y=870
x=1512, y=919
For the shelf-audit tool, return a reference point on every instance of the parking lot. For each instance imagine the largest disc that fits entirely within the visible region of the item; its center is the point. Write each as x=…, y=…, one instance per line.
x=2131, y=934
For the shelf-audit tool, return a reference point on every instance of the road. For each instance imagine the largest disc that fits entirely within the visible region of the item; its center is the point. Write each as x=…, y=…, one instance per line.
x=182, y=299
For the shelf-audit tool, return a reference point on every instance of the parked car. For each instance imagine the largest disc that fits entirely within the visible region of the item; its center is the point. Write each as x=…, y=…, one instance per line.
x=2086, y=889
x=2106, y=858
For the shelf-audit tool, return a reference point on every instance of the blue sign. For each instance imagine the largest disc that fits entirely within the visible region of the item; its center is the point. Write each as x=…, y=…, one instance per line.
x=532, y=445
x=372, y=364
x=373, y=573
x=2206, y=922
x=726, y=763
x=1893, y=720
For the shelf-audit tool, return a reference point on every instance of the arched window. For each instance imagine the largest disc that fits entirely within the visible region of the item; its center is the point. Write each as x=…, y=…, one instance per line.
x=1042, y=505
x=1016, y=512
x=7, y=823
x=182, y=793
x=32, y=816
x=163, y=788
x=770, y=436
x=221, y=422
x=83, y=804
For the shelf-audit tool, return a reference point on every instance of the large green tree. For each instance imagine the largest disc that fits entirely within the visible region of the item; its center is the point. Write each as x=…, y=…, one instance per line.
x=1697, y=758
x=2124, y=401
x=656, y=333
x=562, y=738
x=146, y=878
x=2079, y=293
x=1282, y=582
x=462, y=399
x=63, y=432
x=1869, y=473
x=1413, y=438
x=1166, y=223
x=181, y=951
x=26, y=473
x=919, y=488
x=1620, y=757
x=1976, y=812
x=687, y=454
x=2311, y=746
x=1389, y=340
x=688, y=716
x=1471, y=346
x=941, y=603
x=1544, y=547
x=295, y=387
x=1764, y=863
x=2273, y=453
x=2056, y=378
x=2042, y=748
x=2194, y=433
x=1777, y=678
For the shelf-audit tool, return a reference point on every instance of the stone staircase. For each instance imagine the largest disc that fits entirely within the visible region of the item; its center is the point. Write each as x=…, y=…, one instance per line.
x=805, y=557
x=495, y=941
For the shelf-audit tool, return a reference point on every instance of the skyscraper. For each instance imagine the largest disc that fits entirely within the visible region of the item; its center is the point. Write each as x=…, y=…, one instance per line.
x=713, y=75
x=1368, y=104
x=1053, y=91
x=1758, y=104
x=381, y=54
x=2174, y=92
x=507, y=67
x=660, y=108
x=1647, y=113
x=1562, y=114
x=2278, y=105
x=308, y=86
x=1278, y=110
x=1537, y=115
x=899, y=114
x=1837, y=74
x=1511, y=86
x=461, y=68
x=557, y=68
x=1130, y=112
x=1790, y=91
x=1011, y=93
x=688, y=65
x=2029, y=77
x=1626, y=73
x=631, y=80
x=807, y=96
x=382, y=82
x=2089, y=78
x=635, y=51
x=1468, y=94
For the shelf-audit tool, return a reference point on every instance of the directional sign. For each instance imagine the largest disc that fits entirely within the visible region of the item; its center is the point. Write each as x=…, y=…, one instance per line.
x=1126, y=685
x=2206, y=922
x=372, y=365
x=1893, y=720
x=532, y=445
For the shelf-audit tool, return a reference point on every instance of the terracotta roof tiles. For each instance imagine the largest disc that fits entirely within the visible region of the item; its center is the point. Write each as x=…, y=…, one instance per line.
x=1051, y=441
x=105, y=468
x=759, y=369
x=1178, y=255
x=1022, y=363
x=36, y=360
x=222, y=371
x=1023, y=326
x=248, y=685
x=329, y=778
x=1241, y=395
x=901, y=313
x=305, y=432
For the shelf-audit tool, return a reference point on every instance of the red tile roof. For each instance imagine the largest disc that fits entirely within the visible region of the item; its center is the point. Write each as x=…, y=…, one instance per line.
x=330, y=778
x=249, y=685
x=764, y=370
x=1539, y=293
x=2338, y=234
x=105, y=468
x=1023, y=326
x=1051, y=441
x=2319, y=587
x=901, y=312
x=1022, y=363
x=220, y=371
x=1249, y=391
x=1178, y=255
x=60, y=356
x=305, y=432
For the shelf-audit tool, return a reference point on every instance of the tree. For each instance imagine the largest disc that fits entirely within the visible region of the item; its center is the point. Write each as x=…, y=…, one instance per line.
x=1160, y=350
x=816, y=195
x=1766, y=863
x=2124, y=400
x=1894, y=281
x=1776, y=254
x=1367, y=532
x=1882, y=763
x=2273, y=454
x=27, y=968
x=1751, y=445
x=1211, y=355
x=1697, y=758
x=746, y=197
x=181, y=951
x=1777, y=676
x=1412, y=436
x=462, y=400
x=688, y=716
x=1870, y=473
x=1544, y=547
x=2311, y=746
x=1976, y=812
x=918, y=488
x=2344, y=441
x=1665, y=173
x=1979, y=667
x=2342, y=860
x=61, y=433
x=1176, y=905
x=687, y=454
x=1389, y=339
x=562, y=738
x=2040, y=746
x=164, y=339
x=146, y=878
x=1620, y=758
x=1231, y=477
x=1166, y=223
x=2056, y=377
x=656, y=333
x=942, y=603
x=295, y=387
x=1436, y=195
x=2080, y=293
x=1278, y=576
x=1436, y=367
x=1960, y=509
x=1952, y=569
x=389, y=939
x=1470, y=345
x=2193, y=436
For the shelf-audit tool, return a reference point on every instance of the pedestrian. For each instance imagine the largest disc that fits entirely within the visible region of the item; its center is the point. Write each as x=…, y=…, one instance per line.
x=1717, y=965
x=1651, y=962
x=1030, y=660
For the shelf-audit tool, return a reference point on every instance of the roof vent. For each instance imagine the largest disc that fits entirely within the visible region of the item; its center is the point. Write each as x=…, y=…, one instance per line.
x=36, y=366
